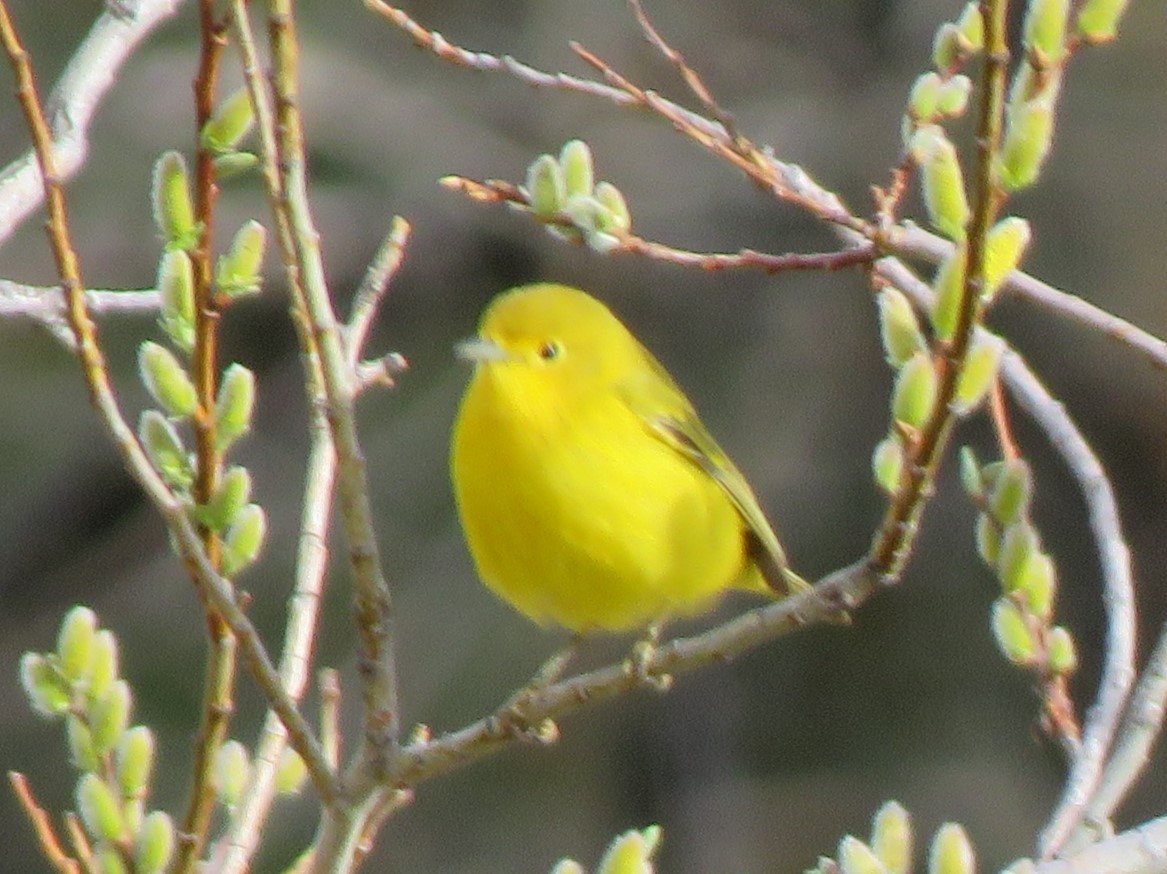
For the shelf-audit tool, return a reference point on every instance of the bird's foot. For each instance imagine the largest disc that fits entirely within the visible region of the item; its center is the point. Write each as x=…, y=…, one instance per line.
x=638, y=665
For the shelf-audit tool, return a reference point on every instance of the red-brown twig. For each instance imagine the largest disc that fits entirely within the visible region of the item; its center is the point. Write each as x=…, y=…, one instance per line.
x=42, y=825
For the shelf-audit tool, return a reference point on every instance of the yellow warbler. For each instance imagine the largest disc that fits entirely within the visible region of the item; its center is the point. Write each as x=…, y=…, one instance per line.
x=591, y=494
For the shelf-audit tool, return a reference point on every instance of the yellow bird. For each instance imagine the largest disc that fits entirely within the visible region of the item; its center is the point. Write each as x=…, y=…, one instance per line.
x=591, y=495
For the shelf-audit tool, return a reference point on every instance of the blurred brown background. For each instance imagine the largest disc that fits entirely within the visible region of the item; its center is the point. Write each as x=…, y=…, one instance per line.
x=756, y=766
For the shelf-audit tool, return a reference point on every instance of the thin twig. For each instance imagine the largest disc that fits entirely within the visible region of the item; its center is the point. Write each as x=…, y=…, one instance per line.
x=382, y=269
x=91, y=71
x=1141, y=850
x=42, y=825
x=80, y=842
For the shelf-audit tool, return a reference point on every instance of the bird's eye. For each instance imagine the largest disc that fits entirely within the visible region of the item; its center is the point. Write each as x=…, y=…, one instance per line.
x=549, y=351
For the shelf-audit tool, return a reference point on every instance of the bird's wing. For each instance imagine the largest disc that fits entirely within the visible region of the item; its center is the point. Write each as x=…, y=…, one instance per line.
x=669, y=416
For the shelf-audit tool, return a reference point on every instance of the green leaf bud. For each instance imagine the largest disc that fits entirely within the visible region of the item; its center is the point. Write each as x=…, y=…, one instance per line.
x=234, y=164
x=947, y=47
x=238, y=271
x=949, y=288
x=109, y=716
x=971, y=26
x=915, y=391
x=243, y=540
x=173, y=212
x=1063, y=656
x=1028, y=137
x=991, y=474
x=1098, y=19
x=943, y=181
x=979, y=373
x=924, y=98
x=291, y=772
x=568, y=866
x=951, y=852
x=109, y=861
x=154, y=844
x=231, y=769
x=230, y=123
x=104, y=662
x=1010, y=496
x=1045, y=29
x=1019, y=546
x=232, y=495
x=1004, y=246
x=47, y=690
x=891, y=838
x=952, y=100
x=855, y=857
x=82, y=752
x=1038, y=586
x=176, y=288
x=134, y=760
x=970, y=472
x=165, y=449
x=546, y=189
x=616, y=216
x=1012, y=634
x=133, y=811
x=631, y=852
x=234, y=405
x=988, y=540
x=75, y=644
x=898, y=327
x=167, y=380
x=887, y=463
x=100, y=811
x=575, y=160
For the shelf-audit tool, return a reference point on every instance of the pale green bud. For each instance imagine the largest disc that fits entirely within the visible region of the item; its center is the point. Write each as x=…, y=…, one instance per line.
x=234, y=164
x=971, y=25
x=234, y=405
x=79, y=738
x=232, y=495
x=575, y=159
x=1019, y=546
x=887, y=463
x=1028, y=137
x=1045, y=29
x=1038, y=586
x=991, y=474
x=988, y=540
x=616, y=214
x=891, y=838
x=947, y=47
x=230, y=123
x=949, y=288
x=631, y=853
x=231, y=769
x=1004, y=247
x=1098, y=19
x=546, y=189
x=943, y=181
x=855, y=857
x=134, y=760
x=924, y=98
x=951, y=852
x=47, y=690
x=173, y=211
x=1062, y=655
x=166, y=380
x=1010, y=496
x=238, y=271
x=109, y=861
x=568, y=866
x=109, y=716
x=898, y=327
x=1012, y=634
x=244, y=539
x=979, y=373
x=291, y=772
x=915, y=391
x=154, y=844
x=176, y=288
x=133, y=811
x=952, y=100
x=104, y=662
x=165, y=449
x=970, y=472
x=100, y=811
x=75, y=644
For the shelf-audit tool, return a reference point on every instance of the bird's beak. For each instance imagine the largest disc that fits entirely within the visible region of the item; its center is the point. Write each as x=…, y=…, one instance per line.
x=476, y=350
